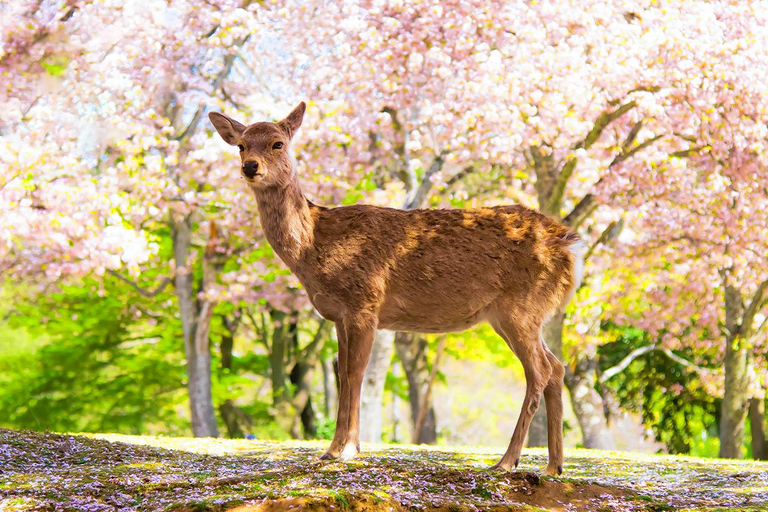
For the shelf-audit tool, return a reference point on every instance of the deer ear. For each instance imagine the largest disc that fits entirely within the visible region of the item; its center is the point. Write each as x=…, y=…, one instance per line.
x=291, y=123
x=229, y=129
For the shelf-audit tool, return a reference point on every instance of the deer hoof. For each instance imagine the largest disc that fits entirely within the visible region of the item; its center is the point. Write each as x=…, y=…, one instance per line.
x=500, y=466
x=328, y=456
x=553, y=471
x=349, y=452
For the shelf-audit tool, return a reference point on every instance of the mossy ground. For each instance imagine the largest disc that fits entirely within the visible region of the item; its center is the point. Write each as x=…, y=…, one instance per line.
x=43, y=471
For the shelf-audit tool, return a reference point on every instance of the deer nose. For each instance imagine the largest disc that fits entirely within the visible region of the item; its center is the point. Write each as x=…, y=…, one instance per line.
x=250, y=168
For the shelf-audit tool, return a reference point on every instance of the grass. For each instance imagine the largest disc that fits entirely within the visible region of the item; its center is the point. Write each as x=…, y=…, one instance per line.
x=44, y=471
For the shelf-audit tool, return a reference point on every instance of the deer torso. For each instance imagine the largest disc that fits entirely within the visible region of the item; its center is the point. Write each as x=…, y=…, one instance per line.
x=417, y=270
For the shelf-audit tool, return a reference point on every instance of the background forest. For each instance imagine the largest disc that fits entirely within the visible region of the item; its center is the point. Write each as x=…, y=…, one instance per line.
x=138, y=294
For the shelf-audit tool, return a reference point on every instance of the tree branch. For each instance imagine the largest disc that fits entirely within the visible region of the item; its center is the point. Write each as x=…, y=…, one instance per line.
x=562, y=180
x=142, y=291
x=461, y=175
x=602, y=123
x=611, y=232
x=581, y=210
x=632, y=135
x=624, y=363
x=415, y=198
x=193, y=124
x=314, y=346
x=626, y=154
x=687, y=152
x=228, y=61
x=755, y=304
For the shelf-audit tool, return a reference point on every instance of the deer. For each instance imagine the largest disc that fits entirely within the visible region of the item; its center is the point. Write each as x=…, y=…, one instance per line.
x=367, y=267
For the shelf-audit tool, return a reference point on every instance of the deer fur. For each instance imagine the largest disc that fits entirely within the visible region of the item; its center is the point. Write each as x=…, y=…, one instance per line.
x=366, y=268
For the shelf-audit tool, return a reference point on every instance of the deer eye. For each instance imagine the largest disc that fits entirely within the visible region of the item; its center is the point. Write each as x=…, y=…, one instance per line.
x=241, y=147
x=277, y=145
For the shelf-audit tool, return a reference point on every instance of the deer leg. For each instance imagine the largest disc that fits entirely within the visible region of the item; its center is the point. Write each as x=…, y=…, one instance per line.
x=342, y=414
x=526, y=344
x=360, y=335
x=355, y=342
x=553, y=398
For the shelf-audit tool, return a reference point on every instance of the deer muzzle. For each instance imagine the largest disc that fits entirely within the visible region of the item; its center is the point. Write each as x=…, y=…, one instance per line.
x=250, y=169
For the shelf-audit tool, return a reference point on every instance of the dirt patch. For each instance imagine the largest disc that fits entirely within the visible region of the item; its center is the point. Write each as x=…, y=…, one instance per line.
x=521, y=491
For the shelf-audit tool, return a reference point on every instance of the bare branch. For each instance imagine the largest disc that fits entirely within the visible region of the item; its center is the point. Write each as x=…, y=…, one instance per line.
x=624, y=363
x=142, y=291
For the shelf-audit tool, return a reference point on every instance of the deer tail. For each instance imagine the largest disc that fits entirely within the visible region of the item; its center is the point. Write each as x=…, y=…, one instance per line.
x=578, y=249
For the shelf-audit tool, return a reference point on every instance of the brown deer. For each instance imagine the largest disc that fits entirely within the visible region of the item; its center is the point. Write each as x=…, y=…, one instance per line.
x=366, y=268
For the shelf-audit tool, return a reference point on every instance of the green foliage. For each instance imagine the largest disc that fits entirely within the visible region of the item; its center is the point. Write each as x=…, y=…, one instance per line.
x=55, y=65
x=481, y=343
x=669, y=396
x=88, y=360
x=326, y=429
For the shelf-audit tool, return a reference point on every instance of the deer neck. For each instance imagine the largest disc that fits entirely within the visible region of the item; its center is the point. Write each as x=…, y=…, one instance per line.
x=286, y=220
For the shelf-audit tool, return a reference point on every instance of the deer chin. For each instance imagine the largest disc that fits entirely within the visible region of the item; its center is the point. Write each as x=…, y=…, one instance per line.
x=257, y=180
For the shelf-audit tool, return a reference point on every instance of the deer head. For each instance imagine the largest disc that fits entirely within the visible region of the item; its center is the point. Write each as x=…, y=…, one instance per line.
x=266, y=161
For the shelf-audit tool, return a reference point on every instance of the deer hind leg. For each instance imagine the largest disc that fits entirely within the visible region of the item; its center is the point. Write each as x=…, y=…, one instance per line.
x=553, y=398
x=358, y=336
x=525, y=342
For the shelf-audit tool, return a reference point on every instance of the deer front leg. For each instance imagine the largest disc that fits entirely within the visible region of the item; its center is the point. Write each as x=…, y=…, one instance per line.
x=342, y=414
x=359, y=331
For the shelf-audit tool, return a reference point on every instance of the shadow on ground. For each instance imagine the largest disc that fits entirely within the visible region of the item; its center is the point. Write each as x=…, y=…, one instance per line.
x=43, y=471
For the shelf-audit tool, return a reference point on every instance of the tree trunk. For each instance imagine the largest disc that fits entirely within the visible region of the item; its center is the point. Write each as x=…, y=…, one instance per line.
x=396, y=405
x=301, y=378
x=195, y=321
x=733, y=412
x=757, y=422
x=412, y=351
x=277, y=356
x=283, y=411
x=537, y=432
x=330, y=387
x=588, y=405
x=234, y=418
x=371, y=417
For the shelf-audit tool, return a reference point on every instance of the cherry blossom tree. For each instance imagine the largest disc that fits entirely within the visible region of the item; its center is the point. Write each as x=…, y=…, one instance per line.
x=701, y=216
x=545, y=99
x=106, y=155
x=588, y=110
